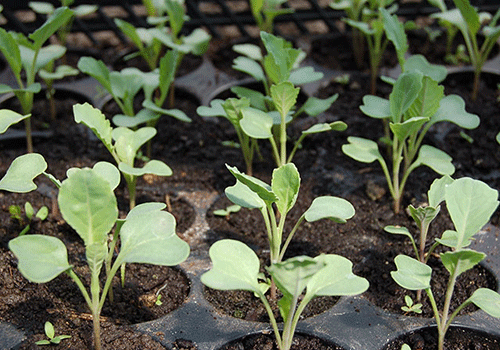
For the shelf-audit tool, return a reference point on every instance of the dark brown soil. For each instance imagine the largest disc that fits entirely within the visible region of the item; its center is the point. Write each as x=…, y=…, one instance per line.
x=456, y=339
x=267, y=342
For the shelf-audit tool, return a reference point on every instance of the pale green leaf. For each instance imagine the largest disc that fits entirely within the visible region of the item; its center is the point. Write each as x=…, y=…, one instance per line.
x=435, y=159
x=487, y=300
x=60, y=16
x=215, y=109
x=19, y=177
x=106, y=170
x=8, y=117
x=322, y=127
x=176, y=113
x=250, y=67
x=285, y=184
x=142, y=117
x=362, y=150
x=263, y=190
x=315, y=106
x=329, y=207
x=411, y=274
x=419, y=63
x=457, y=262
x=129, y=141
x=304, y=75
x=376, y=107
x=256, y=123
x=428, y=100
x=154, y=167
x=97, y=70
x=405, y=91
x=409, y=127
x=436, y=193
x=249, y=50
x=10, y=50
x=452, y=109
x=395, y=32
x=243, y=196
x=96, y=121
x=257, y=99
x=284, y=96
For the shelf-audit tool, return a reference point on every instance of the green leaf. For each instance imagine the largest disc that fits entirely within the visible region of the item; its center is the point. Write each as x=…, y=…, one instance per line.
x=304, y=75
x=95, y=254
x=8, y=117
x=150, y=238
x=470, y=204
x=256, y=123
x=487, y=300
x=263, y=190
x=41, y=258
x=436, y=192
x=250, y=67
x=423, y=215
x=84, y=10
x=127, y=83
x=403, y=130
x=198, y=41
x=215, y=109
x=176, y=113
x=60, y=16
x=458, y=262
x=28, y=209
x=97, y=70
x=233, y=108
x=336, y=278
x=44, y=8
x=411, y=274
x=285, y=184
x=435, y=159
x=243, y=196
x=130, y=31
x=168, y=68
x=42, y=213
x=142, y=117
x=257, y=99
x=284, y=96
x=129, y=141
x=60, y=72
x=404, y=92
x=376, y=107
x=452, y=239
x=452, y=109
x=315, y=106
x=329, y=207
x=10, y=51
x=322, y=127
x=292, y=276
x=362, y=150
x=469, y=13
x=49, y=330
x=154, y=167
x=22, y=171
x=249, y=50
x=45, y=55
x=96, y=121
x=88, y=205
x=106, y=170
x=419, y=63
x=398, y=230
x=234, y=267
x=428, y=100
x=395, y=32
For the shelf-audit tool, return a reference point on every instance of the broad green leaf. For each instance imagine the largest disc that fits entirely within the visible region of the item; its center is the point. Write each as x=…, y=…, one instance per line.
x=376, y=107
x=435, y=159
x=362, y=26
x=142, y=117
x=144, y=208
x=150, y=238
x=43, y=8
x=395, y=32
x=95, y=254
x=362, y=150
x=127, y=83
x=215, y=109
x=250, y=67
x=49, y=330
x=84, y=10
x=60, y=72
x=470, y=204
x=41, y=258
x=129, y=141
x=419, y=63
x=130, y=31
x=176, y=113
x=96, y=121
x=10, y=51
x=315, y=106
x=336, y=278
x=304, y=75
x=168, y=68
x=411, y=274
x=398, y=230
x=459, y=261
x=256, y=123
x=285, y=185
x=97, y=70
x=317, y=128
x=243, y=196
x=280, y=59
x=42, y=213
x=470, y=15
x=423, y=215
x=404, y=92
x=60, y=16
x=257, y=99
x=403, y=130
x=249, y=50
x=104, y=169
x=292, y=276
x=33, y=88
x=284, y=96
x=176, y=15
x=452, y=109
x=233, y=108
x=487, y=300
x=329, y=207
x=8, y=117
x=88, y=205
x=452, y=239
x=428, y=100
x=234, y=267
x=154, y=167
x=436, y=193
x=22, y=171
x=440, y=4
x=263, y=190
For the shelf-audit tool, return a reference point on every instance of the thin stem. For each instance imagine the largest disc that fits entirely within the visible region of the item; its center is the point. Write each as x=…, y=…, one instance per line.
x=272, y=319
x=290, y=236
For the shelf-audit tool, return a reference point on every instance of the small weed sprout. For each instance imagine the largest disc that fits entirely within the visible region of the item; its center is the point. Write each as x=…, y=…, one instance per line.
x=16, y=213
x=51, y=334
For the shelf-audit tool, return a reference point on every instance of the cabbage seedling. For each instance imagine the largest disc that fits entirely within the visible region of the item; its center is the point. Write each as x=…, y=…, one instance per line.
x=123, y=144
x=470, y=204
x=468, y=20
x=236, y=267
x=27, y=54
x=88, y=204
x=265, y=11
x=416, y=103
x=250, y=192
x=16, y=213
x=51, y=334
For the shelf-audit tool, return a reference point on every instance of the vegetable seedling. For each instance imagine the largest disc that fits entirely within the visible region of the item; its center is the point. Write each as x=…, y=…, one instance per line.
x=416, y=103
x=469, y=21
x=236, y=267
x=228, y=211
x=51, y=334
x=123, y=144
x=87, y=203
x=411, y=306
x=470, y=204
x=16, y=213
x=29, y=55
x=265, y=11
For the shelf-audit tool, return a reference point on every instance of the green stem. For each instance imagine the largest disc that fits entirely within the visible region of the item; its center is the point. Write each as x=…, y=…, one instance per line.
x=272, y=319
x=290, y=236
